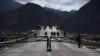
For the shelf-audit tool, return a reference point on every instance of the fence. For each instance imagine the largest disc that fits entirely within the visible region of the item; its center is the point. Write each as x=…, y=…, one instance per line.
x=90, y=41
x=11, y=42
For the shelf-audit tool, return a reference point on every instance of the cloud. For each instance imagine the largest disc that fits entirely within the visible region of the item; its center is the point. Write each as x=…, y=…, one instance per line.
x=64, y=5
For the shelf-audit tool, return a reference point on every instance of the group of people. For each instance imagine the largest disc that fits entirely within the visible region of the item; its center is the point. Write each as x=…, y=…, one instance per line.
x=53, y=34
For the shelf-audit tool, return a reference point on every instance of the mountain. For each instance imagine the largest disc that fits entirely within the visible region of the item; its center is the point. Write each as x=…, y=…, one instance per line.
x=73, y=11
x=86, y=20
x=23, y=18
x=9, y=5
x=28, y=16
x=50, y=9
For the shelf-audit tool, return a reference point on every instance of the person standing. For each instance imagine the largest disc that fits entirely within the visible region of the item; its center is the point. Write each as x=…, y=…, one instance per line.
x=54, y=34
x=45, y=33
x=58, y=34
x=78, y=39
x=48, y=42
x=51, y=34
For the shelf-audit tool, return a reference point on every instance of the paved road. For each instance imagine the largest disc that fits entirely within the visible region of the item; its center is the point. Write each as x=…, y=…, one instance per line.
x=41, y=33
x=39, y=49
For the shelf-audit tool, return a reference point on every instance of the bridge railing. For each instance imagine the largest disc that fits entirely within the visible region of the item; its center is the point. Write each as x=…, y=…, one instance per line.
x=91, y=41
x=9, y=43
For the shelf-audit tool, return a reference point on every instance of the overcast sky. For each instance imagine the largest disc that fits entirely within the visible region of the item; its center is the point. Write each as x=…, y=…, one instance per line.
x=64, y=5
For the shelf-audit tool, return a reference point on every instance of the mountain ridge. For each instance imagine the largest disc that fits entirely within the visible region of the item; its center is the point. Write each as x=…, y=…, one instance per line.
x=28, y=16
x=7, y=5
x=86, y=20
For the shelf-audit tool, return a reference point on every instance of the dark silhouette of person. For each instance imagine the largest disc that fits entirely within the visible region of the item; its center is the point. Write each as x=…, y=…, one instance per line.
x=58, y=34
x=45, y=33
x=54, y=33
x=51, y=33
x=64, y=34
x=78, y=39
x=48, y=43
x=35, y=34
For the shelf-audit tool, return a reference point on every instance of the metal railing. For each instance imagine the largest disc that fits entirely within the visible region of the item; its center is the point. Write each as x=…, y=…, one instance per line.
x=10, y=42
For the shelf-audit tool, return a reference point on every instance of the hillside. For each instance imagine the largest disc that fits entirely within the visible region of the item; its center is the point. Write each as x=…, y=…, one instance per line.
x=86, y=20
x=28, y=16
x=7, y=5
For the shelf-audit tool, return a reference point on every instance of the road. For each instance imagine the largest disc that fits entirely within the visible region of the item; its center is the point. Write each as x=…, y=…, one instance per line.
x=39, y=49
x=49, y=30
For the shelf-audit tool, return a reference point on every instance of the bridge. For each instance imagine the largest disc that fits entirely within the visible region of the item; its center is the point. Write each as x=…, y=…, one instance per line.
x=52, y=32
x=38, y=47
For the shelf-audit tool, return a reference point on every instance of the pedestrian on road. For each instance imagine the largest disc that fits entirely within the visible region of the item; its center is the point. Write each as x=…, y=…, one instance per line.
x=78, y=39
x=35, y=34
x=58, y=34
x=45, y=33
x=51, y=34
x=54, y=34
x=64, y=34
x=48, y=43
